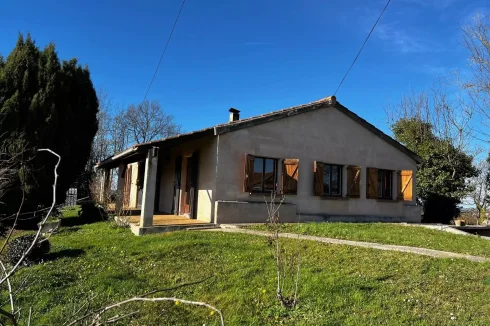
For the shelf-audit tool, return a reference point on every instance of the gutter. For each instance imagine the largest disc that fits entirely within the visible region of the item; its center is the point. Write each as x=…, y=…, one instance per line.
x=123, y=153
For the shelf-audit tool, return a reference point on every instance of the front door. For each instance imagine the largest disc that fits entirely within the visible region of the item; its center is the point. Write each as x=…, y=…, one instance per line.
x=190, y=191
x=177, y=175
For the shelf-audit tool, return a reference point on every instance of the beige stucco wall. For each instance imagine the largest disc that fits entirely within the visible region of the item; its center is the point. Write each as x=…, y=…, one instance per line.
x=325, y=135
x=206, y=175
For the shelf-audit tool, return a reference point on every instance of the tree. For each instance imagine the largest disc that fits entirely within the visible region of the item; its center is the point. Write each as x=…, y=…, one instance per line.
x=438, y=132
x=476, y=39
x=45, y=103
x=480, y=186
x=147, y=121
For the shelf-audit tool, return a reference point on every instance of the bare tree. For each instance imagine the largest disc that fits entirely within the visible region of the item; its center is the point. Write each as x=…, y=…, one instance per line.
x=101, y=142
x=287, y=261
x=476, y=39
x=147, y=121
x=480, y=185
x=449, y=120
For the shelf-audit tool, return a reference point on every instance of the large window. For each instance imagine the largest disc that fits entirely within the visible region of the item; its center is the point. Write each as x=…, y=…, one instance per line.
x=264, y=174
x=385, y=184
x=332, y=180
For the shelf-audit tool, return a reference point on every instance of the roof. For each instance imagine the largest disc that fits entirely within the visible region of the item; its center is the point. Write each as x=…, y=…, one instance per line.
x=330, y=101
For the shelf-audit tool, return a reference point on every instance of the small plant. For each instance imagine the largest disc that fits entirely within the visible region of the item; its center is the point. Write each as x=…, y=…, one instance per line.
x=287, y=260
x=120, y=222
x=19, y=246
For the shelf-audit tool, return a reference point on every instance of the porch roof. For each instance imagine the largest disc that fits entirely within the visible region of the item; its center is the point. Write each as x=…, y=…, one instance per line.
x=139, y=150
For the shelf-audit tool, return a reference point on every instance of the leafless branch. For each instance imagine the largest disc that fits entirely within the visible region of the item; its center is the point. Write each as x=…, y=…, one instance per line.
x=11, y=296
x=38, y=233
x=177, y=287
x=117, y=318
x=29, y=318
x=97, y=315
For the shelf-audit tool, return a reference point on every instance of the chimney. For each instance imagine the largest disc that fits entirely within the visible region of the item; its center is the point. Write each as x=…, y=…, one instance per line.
x=234, y=114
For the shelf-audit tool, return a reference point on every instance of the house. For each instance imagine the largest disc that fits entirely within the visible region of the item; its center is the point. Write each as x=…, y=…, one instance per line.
x=330, y=164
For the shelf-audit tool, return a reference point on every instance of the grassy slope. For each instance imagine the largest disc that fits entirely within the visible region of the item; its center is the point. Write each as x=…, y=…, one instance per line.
x=340, y=284
x=393, y=234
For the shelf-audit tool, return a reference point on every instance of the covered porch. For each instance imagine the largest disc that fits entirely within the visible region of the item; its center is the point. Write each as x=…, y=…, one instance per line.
x=166, y=223
x=159, y=184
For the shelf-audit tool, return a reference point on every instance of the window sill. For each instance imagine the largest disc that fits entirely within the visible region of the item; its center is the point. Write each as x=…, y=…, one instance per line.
x=383, y=200
x=353, y=197
x=334, y=198
x=261, y=193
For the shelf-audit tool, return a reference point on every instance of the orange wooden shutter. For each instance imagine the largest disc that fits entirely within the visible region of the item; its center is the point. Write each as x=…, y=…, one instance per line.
x=318, y=180
x=372, y=183
x=290, y=176
x=353, y=181
x=405, y=185
x=249, y=171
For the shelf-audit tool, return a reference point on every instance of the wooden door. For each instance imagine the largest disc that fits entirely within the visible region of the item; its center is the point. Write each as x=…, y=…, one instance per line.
x=127, y=186
x=177, y=181
x=190, y=191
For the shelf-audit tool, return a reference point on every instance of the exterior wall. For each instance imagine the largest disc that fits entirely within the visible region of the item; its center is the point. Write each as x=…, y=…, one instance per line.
x=206, y=176
x=228, y=211
x=325, y=135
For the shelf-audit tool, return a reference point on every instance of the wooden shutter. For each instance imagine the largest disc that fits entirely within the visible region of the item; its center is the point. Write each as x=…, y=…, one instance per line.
x=405, y=185
x=290, y=176
x=318, y=179
x=372, y=183
x=353, y=181
x=249, y=171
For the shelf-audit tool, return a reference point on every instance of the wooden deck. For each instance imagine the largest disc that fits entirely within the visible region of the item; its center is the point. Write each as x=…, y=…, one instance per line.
x=164, y=220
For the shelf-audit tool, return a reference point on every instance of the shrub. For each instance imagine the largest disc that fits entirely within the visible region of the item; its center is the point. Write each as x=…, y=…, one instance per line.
x=19, y=246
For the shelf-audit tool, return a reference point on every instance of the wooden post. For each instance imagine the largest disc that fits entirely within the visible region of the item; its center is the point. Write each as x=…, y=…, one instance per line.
x=120, y=188
x=149, y=186
x=104, y=185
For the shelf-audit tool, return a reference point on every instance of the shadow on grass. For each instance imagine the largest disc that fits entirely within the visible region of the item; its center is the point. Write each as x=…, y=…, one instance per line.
x=69, y=253
x=88, y=214
x=68, y=230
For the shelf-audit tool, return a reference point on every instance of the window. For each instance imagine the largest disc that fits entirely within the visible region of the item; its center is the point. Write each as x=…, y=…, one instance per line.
x=385, y=184
x=332, y=180
x=264, y=174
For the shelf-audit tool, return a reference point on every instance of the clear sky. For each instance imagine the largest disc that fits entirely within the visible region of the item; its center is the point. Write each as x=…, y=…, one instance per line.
x=256, y=56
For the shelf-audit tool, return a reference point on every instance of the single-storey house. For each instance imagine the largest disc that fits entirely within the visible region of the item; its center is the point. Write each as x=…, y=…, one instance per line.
x=330, y=164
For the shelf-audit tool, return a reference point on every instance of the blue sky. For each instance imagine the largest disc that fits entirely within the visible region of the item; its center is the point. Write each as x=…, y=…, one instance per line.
x=256, y=56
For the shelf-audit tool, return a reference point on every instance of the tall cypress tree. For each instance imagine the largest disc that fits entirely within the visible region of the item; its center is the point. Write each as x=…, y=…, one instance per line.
x=45, y=103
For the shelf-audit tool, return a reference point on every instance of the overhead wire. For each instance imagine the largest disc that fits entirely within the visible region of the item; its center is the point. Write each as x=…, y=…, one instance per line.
x=164, y=50
x=362, y=47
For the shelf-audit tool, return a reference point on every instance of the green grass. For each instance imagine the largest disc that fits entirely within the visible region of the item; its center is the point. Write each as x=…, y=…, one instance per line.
x=398, y=234
x=340, y=285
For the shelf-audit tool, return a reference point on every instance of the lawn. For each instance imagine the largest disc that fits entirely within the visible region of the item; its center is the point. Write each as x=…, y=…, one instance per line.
x=387, y=233
x=340, y=285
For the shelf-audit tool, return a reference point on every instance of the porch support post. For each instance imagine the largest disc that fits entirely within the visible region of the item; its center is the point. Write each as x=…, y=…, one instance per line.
x=104, y=185
x=149, y=187
x=120, y=188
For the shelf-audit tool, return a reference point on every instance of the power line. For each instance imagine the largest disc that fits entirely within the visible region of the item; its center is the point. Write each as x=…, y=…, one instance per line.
x=165, y=49
x=362, y=47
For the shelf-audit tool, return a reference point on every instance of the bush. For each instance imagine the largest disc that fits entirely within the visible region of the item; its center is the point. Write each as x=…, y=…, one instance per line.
x=440, y=209
x=19, y=246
